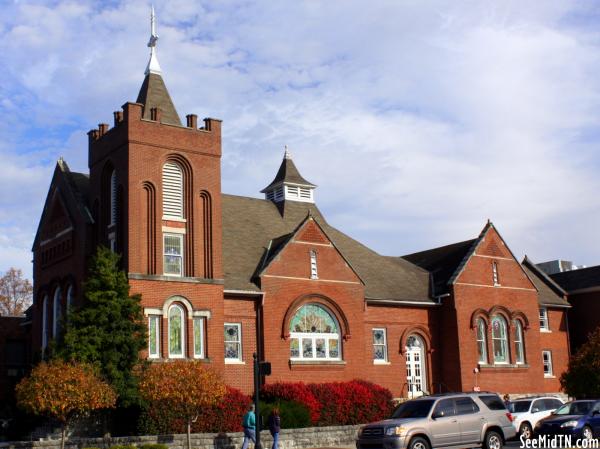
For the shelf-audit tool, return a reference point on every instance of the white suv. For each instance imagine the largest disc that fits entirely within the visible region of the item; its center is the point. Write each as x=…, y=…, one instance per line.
x=527, y=412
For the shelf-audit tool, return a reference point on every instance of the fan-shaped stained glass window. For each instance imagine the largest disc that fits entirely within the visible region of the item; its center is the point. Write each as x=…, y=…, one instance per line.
x=314, y=334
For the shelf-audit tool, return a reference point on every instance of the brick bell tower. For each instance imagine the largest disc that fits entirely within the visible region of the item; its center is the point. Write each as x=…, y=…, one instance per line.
x=155, y=192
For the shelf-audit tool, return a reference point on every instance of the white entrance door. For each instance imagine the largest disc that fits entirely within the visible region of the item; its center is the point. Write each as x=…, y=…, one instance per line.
x=415, y=366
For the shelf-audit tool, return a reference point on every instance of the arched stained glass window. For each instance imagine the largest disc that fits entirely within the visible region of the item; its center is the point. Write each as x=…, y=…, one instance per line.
x=56, y=312
x=314, y=334
x=44, y=322
x=519, y=344
x=499, y=339
x=176, y=332
x=482, y=340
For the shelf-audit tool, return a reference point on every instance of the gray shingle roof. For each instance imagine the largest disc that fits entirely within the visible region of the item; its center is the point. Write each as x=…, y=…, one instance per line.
x=249, y=224
x=549, y=293
x=579, y=279
x=154, y=94
x=288, y=173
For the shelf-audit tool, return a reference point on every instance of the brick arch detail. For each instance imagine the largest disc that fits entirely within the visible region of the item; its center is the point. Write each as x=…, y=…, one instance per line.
x=322, y=300
x=518, y=315
x=419, y=330
x=480, y=313
x=501, y=310
x=176, y=299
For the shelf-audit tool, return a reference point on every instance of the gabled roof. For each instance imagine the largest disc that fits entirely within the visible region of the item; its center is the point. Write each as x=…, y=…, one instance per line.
x=154, y=94
x=580, y=279
x=549, y=292
x=288, y=173
x=249, y=224
x=442, y=262
x=75, y=191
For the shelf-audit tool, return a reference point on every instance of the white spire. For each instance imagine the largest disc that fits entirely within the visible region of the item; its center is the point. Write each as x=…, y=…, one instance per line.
x=287, y=154
x=153, y=65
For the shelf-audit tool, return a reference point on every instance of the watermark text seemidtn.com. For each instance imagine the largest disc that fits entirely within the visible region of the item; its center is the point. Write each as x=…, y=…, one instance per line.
x=559, y=441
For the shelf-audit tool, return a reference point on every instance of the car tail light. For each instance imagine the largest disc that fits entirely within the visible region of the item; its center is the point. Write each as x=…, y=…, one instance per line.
x=509, y=416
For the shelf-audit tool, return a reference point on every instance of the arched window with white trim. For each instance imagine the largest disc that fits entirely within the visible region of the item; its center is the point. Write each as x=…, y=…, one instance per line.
x=172, y=178
x=69, y=297
x=499, y=339
x=176, y=332
x=56, y=312
x=482, y=341
x=519, y=343
x=314, y=334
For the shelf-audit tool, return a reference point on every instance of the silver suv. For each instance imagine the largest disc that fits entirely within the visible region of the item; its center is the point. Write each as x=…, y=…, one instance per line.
x=450, y=420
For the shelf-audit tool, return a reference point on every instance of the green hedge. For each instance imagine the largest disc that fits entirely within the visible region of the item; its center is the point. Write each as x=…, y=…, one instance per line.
x=293, y=414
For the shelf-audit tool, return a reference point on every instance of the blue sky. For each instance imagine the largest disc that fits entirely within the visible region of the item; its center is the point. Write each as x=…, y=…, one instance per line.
x=418, y=120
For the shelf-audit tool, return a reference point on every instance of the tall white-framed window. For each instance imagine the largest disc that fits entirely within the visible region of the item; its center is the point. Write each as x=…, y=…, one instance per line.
x=495, y=277
x=56, y=312
x=233, y=342
x=313, y=265
x=519, y=343
x=482, y=341
x=113, y=198
x=176, y=332
x=379, y=345
x=544, y=324
x=173, y=254
x=45, y=322
x=199, y=337
x=154, y=336
x=547, y=361
x=499, y=339
x=314, y=334
x=69, y=297
x=172, y=191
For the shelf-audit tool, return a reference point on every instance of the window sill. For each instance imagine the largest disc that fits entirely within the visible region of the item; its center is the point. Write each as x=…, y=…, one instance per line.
x=381, y=362
x=179, y=219
x=504, y=365
x=172, y=278
x=234, y=362
x=317, y=362
x=545, y=331
x=549, y=376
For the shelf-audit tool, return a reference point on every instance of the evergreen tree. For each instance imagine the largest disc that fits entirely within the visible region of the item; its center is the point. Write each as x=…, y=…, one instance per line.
x=108, y=329
x=582, y=378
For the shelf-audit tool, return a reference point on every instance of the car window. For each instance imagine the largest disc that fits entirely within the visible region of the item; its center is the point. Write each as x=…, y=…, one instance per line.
x=538, y=406
x=575, y=408
x=493, y=402
x=519, y=406
x=465, y=406
x=596, y=407
x=413, y=409
x=552, y=404
x=443, y=408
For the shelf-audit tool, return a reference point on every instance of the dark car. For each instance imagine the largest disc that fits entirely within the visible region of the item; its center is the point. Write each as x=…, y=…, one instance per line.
x=579, y=419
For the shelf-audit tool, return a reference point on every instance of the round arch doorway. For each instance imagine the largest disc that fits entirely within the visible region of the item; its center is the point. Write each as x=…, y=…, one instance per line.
x=416, y=373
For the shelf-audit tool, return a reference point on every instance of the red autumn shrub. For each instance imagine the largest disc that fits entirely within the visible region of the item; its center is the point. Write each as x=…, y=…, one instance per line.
x=226, y=416
x=293, y=391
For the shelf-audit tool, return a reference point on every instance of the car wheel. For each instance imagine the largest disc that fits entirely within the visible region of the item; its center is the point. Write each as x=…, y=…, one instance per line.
x=525, y=431
x=587, y=433
x=492, y=440
x=418, y=443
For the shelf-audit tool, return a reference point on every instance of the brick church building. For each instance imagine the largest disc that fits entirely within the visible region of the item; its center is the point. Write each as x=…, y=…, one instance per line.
x=224, y=276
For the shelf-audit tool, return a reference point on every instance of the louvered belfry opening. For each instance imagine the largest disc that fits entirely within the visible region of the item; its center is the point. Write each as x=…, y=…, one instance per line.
x=172, y=191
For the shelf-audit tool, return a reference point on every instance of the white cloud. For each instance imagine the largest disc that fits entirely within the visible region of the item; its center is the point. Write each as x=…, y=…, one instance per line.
x=418, y=120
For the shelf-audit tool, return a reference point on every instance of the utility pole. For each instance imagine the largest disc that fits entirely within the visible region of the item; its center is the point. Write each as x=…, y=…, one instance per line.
x=256, y=398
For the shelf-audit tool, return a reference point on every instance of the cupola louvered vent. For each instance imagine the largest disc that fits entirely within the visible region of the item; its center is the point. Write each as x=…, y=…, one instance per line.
x=172, y=191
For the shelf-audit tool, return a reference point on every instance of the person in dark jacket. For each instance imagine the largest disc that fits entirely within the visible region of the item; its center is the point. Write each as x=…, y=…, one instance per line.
x=275, y=426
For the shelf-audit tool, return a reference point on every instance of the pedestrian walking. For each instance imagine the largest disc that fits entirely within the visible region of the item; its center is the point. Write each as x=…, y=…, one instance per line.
x=249, y=424
x=275, y=426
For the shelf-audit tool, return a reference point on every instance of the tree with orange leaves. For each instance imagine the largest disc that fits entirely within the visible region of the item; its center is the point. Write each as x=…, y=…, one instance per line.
x=63, y=391
x=186, y=387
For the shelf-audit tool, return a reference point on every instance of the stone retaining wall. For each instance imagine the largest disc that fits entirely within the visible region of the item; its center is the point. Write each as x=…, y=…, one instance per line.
x=312, y=437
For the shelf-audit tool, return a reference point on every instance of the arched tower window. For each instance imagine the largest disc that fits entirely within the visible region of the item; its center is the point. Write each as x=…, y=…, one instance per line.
x=314, y=334
x=482, y=341
x=56, y=312
x=519, y=343
x=44, y=322
x=69, y=297
x=176, y=332
x=113, y=198
x=172, y=191
x=499, y=339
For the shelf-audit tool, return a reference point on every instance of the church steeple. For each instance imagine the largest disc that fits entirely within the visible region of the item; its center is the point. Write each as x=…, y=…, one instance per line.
x=289, y=184
x=154, y=93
